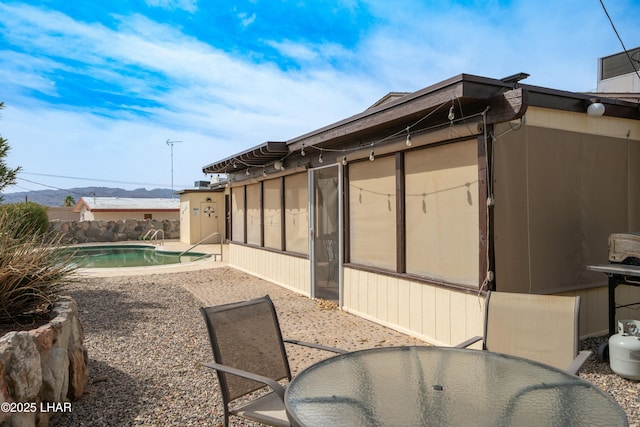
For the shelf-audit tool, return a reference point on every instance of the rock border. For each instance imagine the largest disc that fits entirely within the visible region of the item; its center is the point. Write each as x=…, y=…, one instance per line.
x=43, y=369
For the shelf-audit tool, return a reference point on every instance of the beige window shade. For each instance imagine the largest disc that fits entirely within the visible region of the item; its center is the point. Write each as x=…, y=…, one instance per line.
x=558, y=197
x=296, y=215
x=253, y=214
x=441, y=200
x=372, y=213
x=237, y=214
x=272, y=214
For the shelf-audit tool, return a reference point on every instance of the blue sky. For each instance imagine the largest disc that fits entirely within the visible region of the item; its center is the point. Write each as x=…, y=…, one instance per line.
x=94, y=89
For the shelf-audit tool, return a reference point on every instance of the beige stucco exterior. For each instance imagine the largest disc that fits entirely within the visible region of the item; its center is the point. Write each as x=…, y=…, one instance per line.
x=202, y=213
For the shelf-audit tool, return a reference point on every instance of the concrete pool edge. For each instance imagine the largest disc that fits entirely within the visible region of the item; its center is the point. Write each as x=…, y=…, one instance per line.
x=168, y=246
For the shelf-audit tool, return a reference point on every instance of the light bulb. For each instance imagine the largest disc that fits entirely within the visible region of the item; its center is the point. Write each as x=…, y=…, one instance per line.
x=278, y=165
x=452, y=114
x=264, y=173
x=302, y=153
x=408, y=142
x=596, y=109
x=372, y=156
x=320, y=159
x=344, y=161
x=247, y=172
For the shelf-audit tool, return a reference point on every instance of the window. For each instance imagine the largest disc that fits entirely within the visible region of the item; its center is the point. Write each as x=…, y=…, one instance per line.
x=272, y=204
x=441, y=203
x=237, y=214
x=296, y=199
x=372, y=213
x=253, y=214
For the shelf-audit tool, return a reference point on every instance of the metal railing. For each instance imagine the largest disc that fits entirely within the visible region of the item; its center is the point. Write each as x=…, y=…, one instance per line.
x=215, y=256
x=153, y=235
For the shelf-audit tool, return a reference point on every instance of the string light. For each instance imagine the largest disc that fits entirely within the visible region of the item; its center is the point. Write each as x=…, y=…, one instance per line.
x=279, y=164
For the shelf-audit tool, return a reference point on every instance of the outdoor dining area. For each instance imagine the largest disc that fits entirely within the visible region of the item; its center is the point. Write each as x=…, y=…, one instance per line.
x=522, y=371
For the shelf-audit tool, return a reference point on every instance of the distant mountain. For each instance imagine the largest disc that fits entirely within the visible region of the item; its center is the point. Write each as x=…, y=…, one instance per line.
x=57, y=197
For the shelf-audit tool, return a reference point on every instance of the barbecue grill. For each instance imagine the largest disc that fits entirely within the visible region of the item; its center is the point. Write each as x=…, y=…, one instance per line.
x=623, y=269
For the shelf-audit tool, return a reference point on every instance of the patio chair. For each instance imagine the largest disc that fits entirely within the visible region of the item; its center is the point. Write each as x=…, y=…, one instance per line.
x=543, y=328
x=249, y=354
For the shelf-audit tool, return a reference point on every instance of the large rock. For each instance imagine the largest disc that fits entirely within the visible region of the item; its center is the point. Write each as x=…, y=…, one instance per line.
x=20, y=361
x=48, y=364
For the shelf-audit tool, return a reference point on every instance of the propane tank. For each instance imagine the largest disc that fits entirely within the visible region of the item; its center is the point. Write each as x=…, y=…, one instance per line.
x=624, y=350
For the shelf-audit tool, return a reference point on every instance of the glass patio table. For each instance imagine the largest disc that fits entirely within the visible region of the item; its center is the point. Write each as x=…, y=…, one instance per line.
x=438, y=386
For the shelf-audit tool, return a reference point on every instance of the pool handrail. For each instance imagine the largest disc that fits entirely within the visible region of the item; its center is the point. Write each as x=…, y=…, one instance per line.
x=215, y=256
x=154, y=235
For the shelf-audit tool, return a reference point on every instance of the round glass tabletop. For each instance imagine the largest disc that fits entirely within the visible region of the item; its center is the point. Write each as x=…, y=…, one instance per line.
x=437, y=386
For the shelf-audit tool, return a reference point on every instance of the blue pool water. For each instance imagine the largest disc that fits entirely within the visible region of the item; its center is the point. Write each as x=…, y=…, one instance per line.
x=114, y=256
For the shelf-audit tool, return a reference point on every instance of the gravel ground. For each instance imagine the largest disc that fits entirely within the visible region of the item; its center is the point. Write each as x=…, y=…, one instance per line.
x=147, y=342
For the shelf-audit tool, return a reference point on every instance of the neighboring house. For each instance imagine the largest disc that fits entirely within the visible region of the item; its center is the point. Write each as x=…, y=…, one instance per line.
x=62, y=213
x=409, y=211
x=116, y=208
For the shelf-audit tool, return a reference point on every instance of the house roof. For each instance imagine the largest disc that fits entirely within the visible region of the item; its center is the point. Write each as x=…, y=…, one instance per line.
x=502, y=99
x=114, y=204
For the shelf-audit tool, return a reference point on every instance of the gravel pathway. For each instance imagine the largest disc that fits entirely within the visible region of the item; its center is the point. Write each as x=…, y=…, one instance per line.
x=147, y=342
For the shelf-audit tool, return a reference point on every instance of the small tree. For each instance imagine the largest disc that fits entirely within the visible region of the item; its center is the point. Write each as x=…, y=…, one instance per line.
x=69, y=201
x=7, y=175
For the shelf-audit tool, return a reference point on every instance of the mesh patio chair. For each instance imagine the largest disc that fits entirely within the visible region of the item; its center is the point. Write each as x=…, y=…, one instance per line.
x=543, y=328
x=249, y=354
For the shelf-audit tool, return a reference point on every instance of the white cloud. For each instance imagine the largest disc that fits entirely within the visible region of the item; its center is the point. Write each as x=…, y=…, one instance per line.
x=246, y=19
x=187, y=5
x=216, y=103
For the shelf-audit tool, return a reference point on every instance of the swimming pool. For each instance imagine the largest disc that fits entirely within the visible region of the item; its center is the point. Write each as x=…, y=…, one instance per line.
x=115, y=256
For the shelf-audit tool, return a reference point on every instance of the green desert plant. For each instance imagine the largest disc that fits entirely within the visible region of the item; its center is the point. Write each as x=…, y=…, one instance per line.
x=32, y=272
x=27, y=218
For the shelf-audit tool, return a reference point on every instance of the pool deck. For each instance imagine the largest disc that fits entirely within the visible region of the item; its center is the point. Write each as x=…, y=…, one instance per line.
x=171, y=246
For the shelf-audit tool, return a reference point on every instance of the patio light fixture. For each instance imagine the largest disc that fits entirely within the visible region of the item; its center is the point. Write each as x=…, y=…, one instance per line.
x=595, y=108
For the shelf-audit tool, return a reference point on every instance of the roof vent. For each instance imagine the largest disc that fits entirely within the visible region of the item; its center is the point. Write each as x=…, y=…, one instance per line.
x=619, y=64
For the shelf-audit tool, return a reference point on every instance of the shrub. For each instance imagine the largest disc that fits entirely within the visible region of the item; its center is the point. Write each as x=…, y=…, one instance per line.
x=32, y=272
x=27, y=218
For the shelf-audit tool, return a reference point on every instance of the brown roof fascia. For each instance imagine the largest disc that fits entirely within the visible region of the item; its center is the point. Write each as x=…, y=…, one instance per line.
x=463, y=86
x=578, y=102
x=257, y=156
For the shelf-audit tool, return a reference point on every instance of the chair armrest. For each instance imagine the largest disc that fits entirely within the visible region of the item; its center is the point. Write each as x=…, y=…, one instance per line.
x=318, y=346
x=467, y=343
x=578, y=362
x=274, y=385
